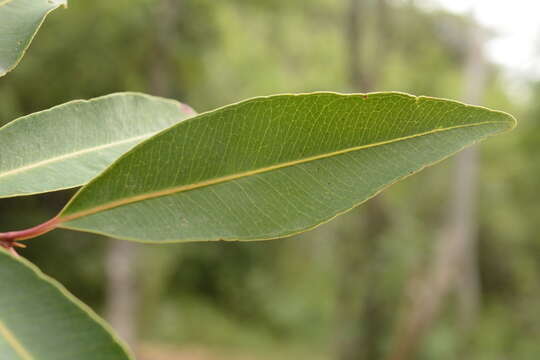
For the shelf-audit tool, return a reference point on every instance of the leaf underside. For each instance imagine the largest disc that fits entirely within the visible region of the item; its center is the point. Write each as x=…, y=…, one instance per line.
x=70, y=144
x=273, y=166
x=19, y=22
x=40, y=320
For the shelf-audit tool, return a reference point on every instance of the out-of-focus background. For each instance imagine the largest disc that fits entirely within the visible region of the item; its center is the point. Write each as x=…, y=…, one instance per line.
x=444, y=265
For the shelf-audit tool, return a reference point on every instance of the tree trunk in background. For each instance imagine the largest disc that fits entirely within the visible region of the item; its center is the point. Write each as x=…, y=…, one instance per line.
x=360, y=311
x=464, y=209
x=167, y=17
x=122, y=295
x=121, y=264
x=455, y=264
x=356, y=22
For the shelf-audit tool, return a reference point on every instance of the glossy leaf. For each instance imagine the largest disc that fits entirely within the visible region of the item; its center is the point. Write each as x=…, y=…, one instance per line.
x=68, y=145
x=40, y=320
x=19, y=22
x=273, y=166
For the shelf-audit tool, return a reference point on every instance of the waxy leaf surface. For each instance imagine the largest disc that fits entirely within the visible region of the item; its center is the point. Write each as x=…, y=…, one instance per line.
x=40, y=320
x=19, y=22
x=68, y=145
x=273, y=166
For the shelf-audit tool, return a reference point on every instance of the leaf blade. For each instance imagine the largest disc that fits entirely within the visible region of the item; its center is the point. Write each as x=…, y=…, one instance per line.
x=19, y=22
x=307, y=129
x=35, y=158
x=31, y=302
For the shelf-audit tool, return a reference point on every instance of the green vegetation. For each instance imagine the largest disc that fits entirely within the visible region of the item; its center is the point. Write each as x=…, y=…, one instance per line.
x=262, y=168
x=68, y=145
x=41, y=320
x=19, y=22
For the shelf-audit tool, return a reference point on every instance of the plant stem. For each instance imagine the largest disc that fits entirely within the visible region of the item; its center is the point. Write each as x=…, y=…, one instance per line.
x=8, y=239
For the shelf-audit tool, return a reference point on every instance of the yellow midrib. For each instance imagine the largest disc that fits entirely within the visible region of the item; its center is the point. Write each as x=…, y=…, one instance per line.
x=222, y=179
x=14, y=342
x=72, y=155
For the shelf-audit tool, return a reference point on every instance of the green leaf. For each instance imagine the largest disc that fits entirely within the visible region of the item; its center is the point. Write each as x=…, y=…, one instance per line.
x=19, y=23
x=68, y=145
x=273, y=166
x=40, y=320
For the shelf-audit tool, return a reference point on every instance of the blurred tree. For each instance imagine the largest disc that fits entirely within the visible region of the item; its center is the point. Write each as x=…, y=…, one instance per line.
x=123, y=295
x=455, y=257
x=360, y=307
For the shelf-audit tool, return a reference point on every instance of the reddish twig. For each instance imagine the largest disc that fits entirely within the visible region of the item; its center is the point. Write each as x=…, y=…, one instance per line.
x=9, y=240
x=30, y=233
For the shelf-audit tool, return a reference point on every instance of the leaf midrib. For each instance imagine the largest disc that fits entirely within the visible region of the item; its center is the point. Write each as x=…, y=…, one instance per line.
x=214, y=181
x=73, y=155
x=14, y=342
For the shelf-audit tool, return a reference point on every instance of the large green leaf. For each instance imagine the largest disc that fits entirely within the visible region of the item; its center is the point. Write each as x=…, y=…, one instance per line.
x=40, y=320
x=19, y=22
x=272, y=166
x=68, y=145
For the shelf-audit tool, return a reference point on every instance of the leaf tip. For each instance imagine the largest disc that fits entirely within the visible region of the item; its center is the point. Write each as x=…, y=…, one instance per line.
x=512, y=121
x=187, y=109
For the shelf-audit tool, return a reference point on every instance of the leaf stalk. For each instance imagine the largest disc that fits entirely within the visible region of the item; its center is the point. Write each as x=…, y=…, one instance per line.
x=8, y=239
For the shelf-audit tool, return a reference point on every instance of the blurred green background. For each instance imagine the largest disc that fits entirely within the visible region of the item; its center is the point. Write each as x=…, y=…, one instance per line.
x=387, y=280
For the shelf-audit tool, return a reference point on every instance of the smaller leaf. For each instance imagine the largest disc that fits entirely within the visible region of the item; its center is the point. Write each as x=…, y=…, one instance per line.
x=19, y=22
x=41, y=320
x=68, y=145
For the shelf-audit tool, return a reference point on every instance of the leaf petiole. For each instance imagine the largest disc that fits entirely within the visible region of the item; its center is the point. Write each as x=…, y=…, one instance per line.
x=9, y=238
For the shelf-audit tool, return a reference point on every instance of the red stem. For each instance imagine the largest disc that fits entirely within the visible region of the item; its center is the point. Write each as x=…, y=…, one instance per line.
x=33, y=232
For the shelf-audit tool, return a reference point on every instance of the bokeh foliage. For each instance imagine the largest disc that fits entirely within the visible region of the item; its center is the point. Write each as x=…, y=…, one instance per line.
x=279, y=297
